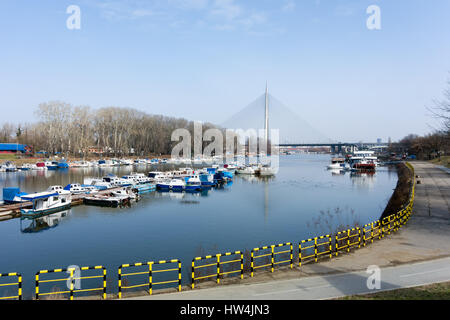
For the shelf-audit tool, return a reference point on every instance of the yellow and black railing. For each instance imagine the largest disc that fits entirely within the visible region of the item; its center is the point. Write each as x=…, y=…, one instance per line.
x=176, y=269
x=269, y=251
x=313, y=249
x=213, y=266
x=150, y=271
x=70, y=281
x=17, y=283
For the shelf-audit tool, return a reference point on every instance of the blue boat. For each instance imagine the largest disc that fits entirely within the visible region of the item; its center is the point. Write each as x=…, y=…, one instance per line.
x=174, y=185
x=13, y=195
x=146, y=187
x=63, y=165
x=51, y=165
x=207, y=180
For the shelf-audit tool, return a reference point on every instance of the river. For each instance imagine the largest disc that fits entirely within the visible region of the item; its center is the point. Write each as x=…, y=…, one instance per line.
x=303, y=200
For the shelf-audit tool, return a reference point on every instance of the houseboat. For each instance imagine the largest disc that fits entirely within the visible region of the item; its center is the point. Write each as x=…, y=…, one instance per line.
x=46, y=203
x=363, y=160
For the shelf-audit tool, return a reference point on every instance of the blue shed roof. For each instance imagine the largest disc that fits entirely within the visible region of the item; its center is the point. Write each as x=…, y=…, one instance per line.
x=12, y=147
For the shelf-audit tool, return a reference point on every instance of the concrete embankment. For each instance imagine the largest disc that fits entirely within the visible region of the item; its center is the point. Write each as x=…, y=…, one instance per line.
x=425, y=237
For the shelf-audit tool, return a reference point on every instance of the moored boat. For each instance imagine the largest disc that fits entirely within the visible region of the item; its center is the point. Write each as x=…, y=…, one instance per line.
x=174, y=185
x=46, y=202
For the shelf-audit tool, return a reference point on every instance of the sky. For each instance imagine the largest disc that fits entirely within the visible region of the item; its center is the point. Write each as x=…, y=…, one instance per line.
x=205, y=60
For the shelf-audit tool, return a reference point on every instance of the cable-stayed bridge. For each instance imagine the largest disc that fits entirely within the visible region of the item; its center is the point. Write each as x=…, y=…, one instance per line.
x=267, y=112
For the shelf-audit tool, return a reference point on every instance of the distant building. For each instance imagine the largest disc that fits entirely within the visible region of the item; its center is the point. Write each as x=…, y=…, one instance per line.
x=15, y=148
x=95, y=150
x=379, y=140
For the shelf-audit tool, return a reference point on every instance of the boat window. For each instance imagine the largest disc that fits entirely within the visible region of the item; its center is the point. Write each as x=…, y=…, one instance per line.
x=55, y=198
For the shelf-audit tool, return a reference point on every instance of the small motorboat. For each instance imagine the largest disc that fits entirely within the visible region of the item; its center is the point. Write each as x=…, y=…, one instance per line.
x=174, y=185
x=105, y=200
x=125, y=193
x=193, y=183
x=339, y=163
x=51, y=165
x=58, y=189
x=266, y=171
x=245, y=170
x=75, y=188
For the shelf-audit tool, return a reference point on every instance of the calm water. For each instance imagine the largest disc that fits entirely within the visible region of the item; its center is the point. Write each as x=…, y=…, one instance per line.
x=302, y=201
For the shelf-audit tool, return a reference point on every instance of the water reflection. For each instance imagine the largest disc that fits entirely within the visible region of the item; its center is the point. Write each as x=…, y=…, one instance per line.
x=363, y=179
x=45, y=222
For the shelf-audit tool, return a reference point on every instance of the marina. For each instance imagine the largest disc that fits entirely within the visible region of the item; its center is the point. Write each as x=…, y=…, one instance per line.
x=167, y=224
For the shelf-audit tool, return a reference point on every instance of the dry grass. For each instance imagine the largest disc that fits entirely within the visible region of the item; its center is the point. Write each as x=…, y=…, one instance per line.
x=443, y=161
x=437, y=291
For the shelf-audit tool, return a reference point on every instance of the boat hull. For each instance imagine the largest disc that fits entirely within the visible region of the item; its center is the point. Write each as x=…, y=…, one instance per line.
x=32, y=212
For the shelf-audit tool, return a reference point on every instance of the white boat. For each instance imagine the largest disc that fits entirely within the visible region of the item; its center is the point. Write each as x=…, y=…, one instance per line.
x=46, y=202
x=96, y=183
x=125, y=193
x=265, y=171
x=193, y=183
x=157, y=176
x=57, y=189
x=126, y=162
x=117, y=182
x=338, y=163
x=25, y=167
x=90, y=189
x=174, y=185
x=363, y=160
x=140, y=177
x=245, y=170
x=75, y=188
x=9, y=167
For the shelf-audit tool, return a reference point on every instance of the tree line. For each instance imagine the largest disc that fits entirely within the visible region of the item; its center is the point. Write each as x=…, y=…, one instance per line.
x=434, y=144
x=74, y=130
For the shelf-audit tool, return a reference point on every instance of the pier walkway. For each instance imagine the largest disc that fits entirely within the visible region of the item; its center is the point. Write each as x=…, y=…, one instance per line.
x=417, y=254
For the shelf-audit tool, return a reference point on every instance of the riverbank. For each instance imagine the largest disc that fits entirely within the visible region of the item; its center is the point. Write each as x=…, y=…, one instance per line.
x=425, y=237
x=402, y=191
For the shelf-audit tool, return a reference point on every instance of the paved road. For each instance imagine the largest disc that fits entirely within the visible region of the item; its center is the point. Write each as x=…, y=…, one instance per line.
x=321, y=287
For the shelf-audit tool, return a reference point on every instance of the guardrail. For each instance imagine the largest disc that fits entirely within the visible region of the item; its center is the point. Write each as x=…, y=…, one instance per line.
x=150, y=273
x=317, y=247
x=70, y=280
x=310, y=250
x=272, y=255
x=218, y=265
x=18, y=284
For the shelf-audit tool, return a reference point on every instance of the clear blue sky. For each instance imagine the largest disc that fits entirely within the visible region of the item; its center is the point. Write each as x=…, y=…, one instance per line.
x=207, y=59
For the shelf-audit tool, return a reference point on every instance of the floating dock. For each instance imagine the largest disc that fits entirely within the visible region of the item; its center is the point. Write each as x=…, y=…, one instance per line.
x=11, y=211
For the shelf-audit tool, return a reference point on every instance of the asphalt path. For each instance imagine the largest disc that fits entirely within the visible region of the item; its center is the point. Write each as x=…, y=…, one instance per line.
x=323, y=287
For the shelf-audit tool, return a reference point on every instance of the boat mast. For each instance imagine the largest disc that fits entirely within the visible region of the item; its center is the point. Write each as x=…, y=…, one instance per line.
x=266, y=124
